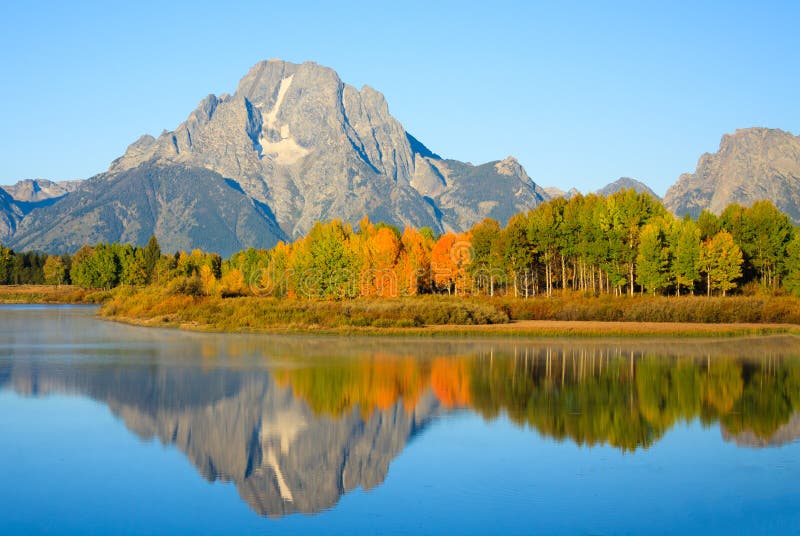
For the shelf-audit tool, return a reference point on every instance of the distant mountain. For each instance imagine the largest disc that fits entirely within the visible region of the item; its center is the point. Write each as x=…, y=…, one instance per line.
x=10, y=215
x=627, y=183
x=464, y=194
x=185, y=207
x=554, y=191
x=33, y=193
x=751, y=164
x=299, y=146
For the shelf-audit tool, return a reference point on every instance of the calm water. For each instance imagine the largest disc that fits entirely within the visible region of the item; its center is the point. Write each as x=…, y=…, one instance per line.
x=115, y=429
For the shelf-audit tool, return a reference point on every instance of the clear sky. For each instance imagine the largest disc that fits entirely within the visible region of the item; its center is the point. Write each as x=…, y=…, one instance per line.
x=580, y=93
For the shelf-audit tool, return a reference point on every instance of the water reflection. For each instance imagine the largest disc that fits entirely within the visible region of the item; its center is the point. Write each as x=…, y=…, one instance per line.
x=297, y=422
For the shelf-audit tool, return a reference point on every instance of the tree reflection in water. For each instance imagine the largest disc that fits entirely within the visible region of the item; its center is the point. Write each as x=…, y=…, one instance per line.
x=297, y=422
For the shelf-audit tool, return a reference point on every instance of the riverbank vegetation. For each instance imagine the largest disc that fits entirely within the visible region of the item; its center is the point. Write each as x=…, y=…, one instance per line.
x=44, y=294
x=616, y=258
x=442, y=315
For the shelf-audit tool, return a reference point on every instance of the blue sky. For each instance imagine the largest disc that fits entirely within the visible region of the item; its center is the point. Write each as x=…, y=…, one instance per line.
x=580, y=93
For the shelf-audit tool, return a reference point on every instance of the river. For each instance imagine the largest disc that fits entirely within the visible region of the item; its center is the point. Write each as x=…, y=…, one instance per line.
x=109, y=428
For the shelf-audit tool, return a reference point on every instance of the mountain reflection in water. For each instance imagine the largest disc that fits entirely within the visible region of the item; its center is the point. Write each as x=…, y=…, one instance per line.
x=296, y=422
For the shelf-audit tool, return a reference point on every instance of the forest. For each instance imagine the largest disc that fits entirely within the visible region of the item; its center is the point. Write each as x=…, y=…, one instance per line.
x=622, y=244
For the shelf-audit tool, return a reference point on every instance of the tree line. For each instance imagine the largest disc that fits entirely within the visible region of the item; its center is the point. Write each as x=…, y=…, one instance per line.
x=624, y=243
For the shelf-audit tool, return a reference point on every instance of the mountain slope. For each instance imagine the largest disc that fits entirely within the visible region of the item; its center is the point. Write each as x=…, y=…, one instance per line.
x=751, y=164
x=464, y=194
x=10, y=215
x=313, y=148
x=554, y=191
x=34, y=193
x=299, y=146
x=627, y=183
x=184, y=207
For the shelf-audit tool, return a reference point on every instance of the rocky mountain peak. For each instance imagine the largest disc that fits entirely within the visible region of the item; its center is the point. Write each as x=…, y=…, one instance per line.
x=628, y=183
x=10, y=215
x=751, y=164
x=509, y=167
x=303, y=146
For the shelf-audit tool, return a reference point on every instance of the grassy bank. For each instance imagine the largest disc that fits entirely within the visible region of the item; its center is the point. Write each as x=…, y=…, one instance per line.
x=450, y=316
x=62, y=294
x=156, y=307
x=693, y=309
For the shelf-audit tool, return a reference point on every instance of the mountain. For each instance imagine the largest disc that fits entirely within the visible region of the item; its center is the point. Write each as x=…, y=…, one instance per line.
x=301, y=146
x=10, y=215
x=33, y=193
x=464, y=194
x=185, y=207
x=751, y=164
x=554, y=191
x=624, y=183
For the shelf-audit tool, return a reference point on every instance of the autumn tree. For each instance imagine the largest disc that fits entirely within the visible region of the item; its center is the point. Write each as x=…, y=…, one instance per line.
x=324, y=264
x=486, y=266
x=55, y=270
x=414, y=264
x=151, y=254
x=443, y=265
x=721, y=261
x=764, y=234
x=6, y=263
x=544, y=227
x=684, y=240
x=519, y=255
x=652, y=262
x=709, y=225
x=792, y=279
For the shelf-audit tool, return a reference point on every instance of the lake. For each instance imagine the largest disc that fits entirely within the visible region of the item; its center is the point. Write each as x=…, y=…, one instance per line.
x=109, y=428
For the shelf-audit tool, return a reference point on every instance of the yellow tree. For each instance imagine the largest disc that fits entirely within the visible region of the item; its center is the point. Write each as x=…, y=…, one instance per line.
x=721, y=261
x=55, y=270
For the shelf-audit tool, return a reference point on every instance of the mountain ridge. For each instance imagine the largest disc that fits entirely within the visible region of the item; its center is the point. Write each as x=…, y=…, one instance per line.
x=294, y=145
x=304, y=147
x=751, y=164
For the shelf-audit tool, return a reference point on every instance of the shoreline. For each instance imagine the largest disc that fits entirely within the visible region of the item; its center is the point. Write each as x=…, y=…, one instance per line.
x=195, y=314
x=518, y=329
x=51, y=294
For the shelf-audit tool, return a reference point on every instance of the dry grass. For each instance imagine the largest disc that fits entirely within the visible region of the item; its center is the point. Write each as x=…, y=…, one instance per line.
x=437, y=316
x=14, y=294
x=153, y=306
x=693, y=309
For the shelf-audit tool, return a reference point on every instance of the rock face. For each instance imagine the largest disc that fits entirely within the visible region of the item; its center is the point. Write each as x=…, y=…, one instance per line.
x=185, y=207
x=751, y=164
x=464, y=194
x=30, y=193
x=10, y=215
x=554, y=191
x=305, y=147
x=627, y=183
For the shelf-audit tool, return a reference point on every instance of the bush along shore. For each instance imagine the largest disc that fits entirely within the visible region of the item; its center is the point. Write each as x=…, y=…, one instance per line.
x=443, y=315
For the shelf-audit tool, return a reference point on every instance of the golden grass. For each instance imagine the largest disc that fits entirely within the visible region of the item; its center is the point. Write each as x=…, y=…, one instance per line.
x=62, y=294
x=432, y=316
